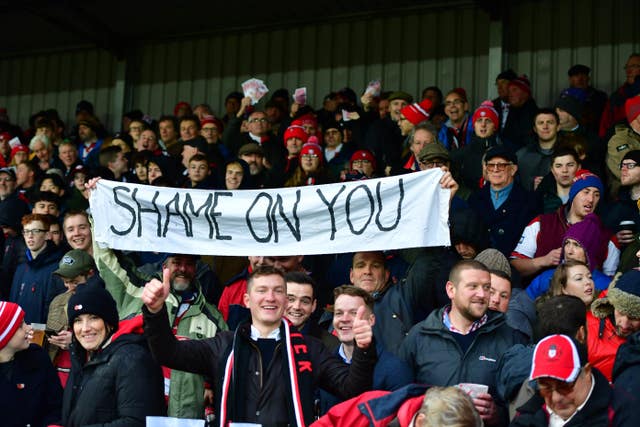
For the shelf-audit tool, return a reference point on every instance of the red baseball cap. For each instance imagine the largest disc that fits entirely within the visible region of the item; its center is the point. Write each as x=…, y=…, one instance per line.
x=556, y=356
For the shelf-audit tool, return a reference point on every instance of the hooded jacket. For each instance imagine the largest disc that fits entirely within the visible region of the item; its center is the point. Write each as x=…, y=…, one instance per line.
x=120, y=385
x=34, y=285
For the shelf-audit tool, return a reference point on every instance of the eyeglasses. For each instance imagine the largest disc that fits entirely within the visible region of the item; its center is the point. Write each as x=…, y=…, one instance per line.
x=547, y=387
x=628, y=165
x=309, y=156
x=498, y=166
x=262, y=120
x=34, y=231
x=135, y=128
x=361, y=162
x=6, y=179
x=454, y=102
x=209, y=129
x=626, y=67
x=430, y=165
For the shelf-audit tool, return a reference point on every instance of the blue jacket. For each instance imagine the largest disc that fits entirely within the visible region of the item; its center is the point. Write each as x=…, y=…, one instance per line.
x=34, y=285
x=397, y=307
x=31, y=394
x=542, y=282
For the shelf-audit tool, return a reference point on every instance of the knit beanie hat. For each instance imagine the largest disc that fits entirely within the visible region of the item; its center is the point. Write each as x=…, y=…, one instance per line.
x=311, y=148
x=179, y=106
x=11, y=317
x=212, y=120
x=584, y=179
x=571, y=105
x=295, y=131
x=91, y=299
x=632, y=108
x=588, y=233
x=363, y=155
x=417, y=113
x=624, y=297
x=522, y=82
x=306, y=119
x=631, y=155
x=486, y=110
x=19, y=149
x=493, y=259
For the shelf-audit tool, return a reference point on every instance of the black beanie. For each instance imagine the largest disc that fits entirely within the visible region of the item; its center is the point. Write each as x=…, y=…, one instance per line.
x=90, y=299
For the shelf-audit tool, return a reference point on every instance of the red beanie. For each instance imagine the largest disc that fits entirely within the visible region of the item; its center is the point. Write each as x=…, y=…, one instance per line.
x=11, y=317
x=295, y=131
x=180, y=105
x=212, y=120
x=362, y=155
x=486, y=110
x=307, y=119
x=417, y=113
x=522, y=82
x=632, y=108
x=311, y=148
x=18, y=149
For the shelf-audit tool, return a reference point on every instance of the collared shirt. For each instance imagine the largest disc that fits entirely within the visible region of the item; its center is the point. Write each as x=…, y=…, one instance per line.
x=498, y=197
x=556, y=421
x=342, y=354
x=330, y=154
x=274, y=335
x=474, y=326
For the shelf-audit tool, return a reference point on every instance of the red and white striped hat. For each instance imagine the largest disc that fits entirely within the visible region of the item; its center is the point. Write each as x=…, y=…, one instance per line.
x=11, y=317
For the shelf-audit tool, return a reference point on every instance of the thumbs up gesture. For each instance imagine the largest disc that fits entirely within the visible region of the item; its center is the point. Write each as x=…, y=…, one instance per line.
x=362, y=328
x=156, y=292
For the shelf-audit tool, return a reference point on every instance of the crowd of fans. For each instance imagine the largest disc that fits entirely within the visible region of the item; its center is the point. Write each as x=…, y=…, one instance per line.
x=532, y=314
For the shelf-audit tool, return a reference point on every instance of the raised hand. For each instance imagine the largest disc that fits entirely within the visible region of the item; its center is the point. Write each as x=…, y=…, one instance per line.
x=156, y=292
x=362, y=331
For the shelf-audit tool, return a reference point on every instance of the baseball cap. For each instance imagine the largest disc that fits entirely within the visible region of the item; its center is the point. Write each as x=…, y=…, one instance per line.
x=556, y=356
x=74, y=263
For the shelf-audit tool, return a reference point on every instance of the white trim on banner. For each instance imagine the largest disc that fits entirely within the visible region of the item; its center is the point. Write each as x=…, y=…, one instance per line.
x=387, y=213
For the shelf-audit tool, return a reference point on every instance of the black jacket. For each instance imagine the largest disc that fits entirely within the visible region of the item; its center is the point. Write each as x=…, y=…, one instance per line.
x=30, y=389
x=119, y=386
x=266, y=389
x=606, y=407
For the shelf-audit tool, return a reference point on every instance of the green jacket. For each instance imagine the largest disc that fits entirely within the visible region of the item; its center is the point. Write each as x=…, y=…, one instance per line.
x=201, y=320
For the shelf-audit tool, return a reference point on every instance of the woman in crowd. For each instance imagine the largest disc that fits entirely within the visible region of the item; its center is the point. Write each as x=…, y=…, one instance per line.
x=30, y=389
x=114, y=379
x=310, y=170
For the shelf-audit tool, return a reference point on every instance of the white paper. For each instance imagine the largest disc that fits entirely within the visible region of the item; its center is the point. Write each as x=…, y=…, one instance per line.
x=173, y=422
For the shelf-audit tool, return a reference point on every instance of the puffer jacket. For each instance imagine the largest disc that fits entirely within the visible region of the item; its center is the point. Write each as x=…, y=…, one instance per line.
x=120, y=385
x=34, y=286
x=436, y=357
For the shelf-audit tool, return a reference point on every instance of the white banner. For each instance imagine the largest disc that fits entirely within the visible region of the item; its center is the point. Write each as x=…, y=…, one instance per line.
x=387, y=213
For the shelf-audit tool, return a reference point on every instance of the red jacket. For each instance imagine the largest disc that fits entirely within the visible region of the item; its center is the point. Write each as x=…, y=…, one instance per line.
x=376, y=408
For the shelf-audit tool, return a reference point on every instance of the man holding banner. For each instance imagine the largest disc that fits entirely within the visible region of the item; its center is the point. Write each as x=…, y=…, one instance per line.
x=249, y=365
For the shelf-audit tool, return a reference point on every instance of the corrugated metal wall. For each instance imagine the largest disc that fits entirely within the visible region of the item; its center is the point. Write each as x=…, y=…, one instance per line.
x=447, y=48
x=57, y=80
x=543, y=39
x=404, y=51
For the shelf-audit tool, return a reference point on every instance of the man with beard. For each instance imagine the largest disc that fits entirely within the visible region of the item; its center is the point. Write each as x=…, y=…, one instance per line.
x=463, y=342
x=190, y=316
